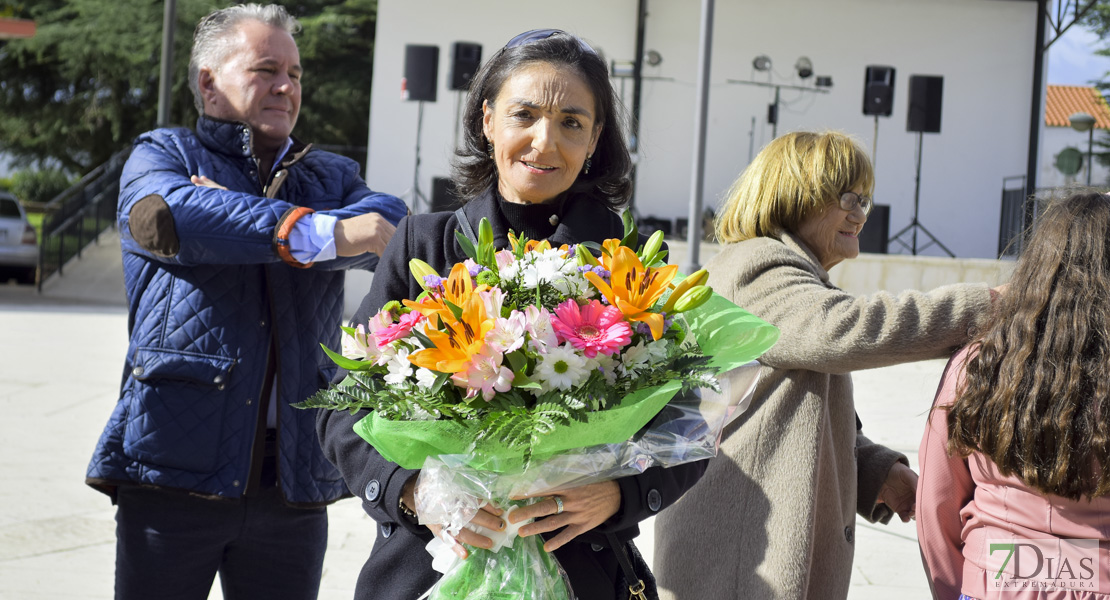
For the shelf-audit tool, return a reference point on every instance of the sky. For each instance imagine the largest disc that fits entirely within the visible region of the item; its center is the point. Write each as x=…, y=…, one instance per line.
x=1071, y=59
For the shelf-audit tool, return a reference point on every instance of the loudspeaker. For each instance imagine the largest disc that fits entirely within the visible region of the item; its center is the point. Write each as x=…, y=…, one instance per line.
x=878, y=91
x=421, y=72
x=926, y=92
x=466, y=57
x=444, y=197
x=875, y=233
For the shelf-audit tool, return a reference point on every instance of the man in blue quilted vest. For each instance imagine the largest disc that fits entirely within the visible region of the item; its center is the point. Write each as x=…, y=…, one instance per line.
x=235, y=241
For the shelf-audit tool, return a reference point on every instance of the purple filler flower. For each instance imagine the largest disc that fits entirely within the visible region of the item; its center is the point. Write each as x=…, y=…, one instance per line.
x=433, y=282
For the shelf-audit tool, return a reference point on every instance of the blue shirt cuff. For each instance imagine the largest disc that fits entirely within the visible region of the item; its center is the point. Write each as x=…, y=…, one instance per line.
x=313, y=238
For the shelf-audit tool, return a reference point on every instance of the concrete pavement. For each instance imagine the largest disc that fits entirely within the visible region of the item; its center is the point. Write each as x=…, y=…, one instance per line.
x=62, y=355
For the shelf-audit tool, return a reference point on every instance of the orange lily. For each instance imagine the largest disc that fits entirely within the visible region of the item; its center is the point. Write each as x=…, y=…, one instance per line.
x=457, y=290
x=608, y=251
x=635, y=288
x=455, y=341
x=532, y=245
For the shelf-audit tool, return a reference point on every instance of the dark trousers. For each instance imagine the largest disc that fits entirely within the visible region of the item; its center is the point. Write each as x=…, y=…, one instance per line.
x=170, y=545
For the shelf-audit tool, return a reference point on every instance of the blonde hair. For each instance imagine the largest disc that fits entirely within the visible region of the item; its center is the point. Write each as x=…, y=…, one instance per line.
x=793, y=177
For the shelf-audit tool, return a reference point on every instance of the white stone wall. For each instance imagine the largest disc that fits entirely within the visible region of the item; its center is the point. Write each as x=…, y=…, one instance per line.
x=983, y=48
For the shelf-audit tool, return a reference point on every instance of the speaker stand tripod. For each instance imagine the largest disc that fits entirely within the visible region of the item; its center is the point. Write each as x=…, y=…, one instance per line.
x=915, y=224
x=417, y=196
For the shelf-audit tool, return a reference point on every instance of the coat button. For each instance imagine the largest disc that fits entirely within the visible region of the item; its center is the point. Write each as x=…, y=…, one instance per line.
x=655, y=500
x=387, y=530
x=373, y=490
x=218, y=379
x=235, y=483
x=848, y=535
x=262, y=323
x=250, y=401
x=137, y=371
x=597, y=547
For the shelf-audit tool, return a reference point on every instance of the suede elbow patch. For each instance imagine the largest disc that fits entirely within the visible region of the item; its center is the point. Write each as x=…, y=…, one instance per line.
x=152, y=227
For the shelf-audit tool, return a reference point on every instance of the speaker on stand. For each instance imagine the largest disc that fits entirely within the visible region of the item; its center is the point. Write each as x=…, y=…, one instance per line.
x=444, y=196
x=878, y=99
x=419, y=85
x=873, y=238
x=923, y=116
x=466, y=57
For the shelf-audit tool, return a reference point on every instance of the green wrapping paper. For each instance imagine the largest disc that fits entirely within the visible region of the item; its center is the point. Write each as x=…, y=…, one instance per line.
x=730, y=335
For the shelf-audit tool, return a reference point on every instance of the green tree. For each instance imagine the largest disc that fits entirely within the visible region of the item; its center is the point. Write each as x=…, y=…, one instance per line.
x=39, y=186
x=87, y=83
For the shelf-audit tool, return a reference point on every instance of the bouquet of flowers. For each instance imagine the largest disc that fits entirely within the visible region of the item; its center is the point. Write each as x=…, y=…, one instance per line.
x=536, y=368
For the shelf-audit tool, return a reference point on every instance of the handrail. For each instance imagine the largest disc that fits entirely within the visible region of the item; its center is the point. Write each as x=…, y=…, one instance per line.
x=77, y=216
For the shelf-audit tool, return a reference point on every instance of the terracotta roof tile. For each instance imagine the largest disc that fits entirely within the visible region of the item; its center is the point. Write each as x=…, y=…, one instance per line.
x=1065, y=100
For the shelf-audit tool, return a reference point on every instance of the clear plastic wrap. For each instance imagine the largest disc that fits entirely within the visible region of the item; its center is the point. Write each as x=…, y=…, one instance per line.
x=450, y=492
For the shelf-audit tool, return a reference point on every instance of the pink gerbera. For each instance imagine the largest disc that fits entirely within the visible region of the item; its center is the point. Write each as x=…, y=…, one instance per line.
x=398, y=330
x=592, y=328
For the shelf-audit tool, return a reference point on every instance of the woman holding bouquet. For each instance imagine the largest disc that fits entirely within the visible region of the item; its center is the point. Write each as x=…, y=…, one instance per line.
x=543, y=155
x=774, y=516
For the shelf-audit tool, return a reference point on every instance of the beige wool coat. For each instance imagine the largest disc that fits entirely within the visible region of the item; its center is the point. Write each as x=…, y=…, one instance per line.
x=774, y=515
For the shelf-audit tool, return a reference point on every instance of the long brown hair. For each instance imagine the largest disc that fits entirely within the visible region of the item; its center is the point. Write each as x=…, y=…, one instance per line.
x=1037, y=394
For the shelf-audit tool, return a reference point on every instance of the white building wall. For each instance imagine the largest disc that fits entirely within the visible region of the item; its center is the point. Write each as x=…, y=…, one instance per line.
x=983, y=48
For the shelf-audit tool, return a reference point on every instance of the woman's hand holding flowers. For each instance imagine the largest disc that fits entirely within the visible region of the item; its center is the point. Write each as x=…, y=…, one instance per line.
x=489, y=517
x=584, y=508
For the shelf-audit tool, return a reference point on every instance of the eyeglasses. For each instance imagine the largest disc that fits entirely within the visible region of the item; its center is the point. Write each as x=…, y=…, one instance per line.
x=850, y=200
x=536, y=35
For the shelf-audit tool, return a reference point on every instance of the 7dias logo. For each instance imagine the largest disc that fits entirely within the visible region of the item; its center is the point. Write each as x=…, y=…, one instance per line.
x=1049, y=565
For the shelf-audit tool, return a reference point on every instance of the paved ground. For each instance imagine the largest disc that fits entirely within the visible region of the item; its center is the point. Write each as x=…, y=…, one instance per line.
x=61, y=354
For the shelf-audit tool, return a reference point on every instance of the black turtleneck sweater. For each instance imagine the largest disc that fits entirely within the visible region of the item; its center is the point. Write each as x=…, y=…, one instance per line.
x=536, y=221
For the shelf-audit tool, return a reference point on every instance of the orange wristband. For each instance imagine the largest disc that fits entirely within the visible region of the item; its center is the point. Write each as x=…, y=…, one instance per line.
x=281, y=237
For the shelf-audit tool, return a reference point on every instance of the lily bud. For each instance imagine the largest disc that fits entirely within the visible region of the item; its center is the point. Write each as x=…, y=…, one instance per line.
x=651, y=248
x=419, y=270
x=693, y=298
x=585, y=257
x=696, y=278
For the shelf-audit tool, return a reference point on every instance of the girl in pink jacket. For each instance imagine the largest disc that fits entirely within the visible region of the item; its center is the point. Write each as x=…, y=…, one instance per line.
x=1012, y=502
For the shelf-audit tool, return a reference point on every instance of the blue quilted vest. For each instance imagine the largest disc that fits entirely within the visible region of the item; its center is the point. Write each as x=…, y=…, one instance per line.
x=203, y=317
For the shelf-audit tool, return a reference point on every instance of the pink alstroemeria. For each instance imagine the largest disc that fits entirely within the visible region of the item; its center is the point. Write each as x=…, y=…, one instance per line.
x=504, y=258
x=484, y=374
x=537, y=322
x=507, y=335
x=398, y=330
x=593, y=328
x=493, y=299
x=358, y=346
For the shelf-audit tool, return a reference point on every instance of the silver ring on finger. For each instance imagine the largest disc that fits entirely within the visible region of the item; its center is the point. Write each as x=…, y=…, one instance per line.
x=558, y=504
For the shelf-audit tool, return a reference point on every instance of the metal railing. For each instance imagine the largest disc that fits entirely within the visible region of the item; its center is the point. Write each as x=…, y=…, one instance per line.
x=77, y=216
x=1012, y=224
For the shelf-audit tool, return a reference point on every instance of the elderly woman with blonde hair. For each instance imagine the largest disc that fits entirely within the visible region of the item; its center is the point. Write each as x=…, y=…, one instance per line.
x=774, y=515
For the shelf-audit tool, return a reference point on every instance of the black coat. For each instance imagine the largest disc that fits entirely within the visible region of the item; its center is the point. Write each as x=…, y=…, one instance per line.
x=399, y=567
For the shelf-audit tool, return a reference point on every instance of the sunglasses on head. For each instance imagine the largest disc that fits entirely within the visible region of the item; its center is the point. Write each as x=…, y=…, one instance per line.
x=536, y=35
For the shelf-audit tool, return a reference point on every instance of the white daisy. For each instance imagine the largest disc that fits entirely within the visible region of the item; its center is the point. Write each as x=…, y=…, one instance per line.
x=561, y=368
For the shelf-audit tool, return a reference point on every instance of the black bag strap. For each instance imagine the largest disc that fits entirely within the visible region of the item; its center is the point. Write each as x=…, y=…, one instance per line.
x=467, y=230
x=635, y=590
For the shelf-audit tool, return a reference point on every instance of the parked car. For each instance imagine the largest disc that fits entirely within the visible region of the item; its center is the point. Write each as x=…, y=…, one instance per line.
x=19, y=247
